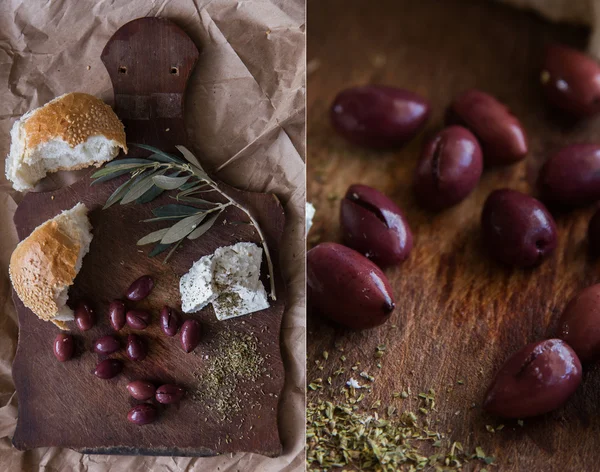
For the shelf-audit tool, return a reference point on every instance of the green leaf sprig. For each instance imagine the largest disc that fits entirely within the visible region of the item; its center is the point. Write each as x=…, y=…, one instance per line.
x=161, y=171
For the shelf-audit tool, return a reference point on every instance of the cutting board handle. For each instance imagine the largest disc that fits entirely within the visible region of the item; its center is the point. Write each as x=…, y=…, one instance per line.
x=149, y=61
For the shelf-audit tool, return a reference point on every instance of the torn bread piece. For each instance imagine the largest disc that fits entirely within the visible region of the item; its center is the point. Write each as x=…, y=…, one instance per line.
x=71, y=132
x=44, y=265
x=229, y=279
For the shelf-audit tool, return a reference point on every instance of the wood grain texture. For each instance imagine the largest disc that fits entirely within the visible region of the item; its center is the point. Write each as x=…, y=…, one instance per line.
x=459, y=314
x=64, y=404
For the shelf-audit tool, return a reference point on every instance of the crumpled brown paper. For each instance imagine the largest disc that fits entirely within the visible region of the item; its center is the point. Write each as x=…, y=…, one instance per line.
x=244, y=108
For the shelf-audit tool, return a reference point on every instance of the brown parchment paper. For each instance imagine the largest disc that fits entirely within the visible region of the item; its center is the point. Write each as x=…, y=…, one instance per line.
x=244, y=108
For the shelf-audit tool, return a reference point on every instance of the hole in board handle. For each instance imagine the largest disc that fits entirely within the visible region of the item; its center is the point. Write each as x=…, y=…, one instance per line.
x=122, y=70
x=174, y=70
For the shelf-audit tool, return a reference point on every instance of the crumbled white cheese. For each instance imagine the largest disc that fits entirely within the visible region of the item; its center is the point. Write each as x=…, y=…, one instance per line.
x=229, y=279
x=353, y=383
x=310, y=214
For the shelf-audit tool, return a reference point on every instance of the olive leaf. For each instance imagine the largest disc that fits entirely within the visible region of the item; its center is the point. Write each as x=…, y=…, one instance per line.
x=174, y=210
x=204, y=227
x=140, y=188
x=158, y=155
x=167, y=182
x=109, y=170
x=195, y=200
x=189, y=185
x=163, y=218
x=190, y=157
x=118, y=193
x=130, y=160
x=150, y=195
x=182, y=228
x=110, y=176
x=172, y=251
x=158, y=249
x=164, y=157
x=153, y=237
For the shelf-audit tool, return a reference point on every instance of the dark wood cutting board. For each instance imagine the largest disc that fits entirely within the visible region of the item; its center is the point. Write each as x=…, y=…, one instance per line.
x=64, y=404
x=459, y=314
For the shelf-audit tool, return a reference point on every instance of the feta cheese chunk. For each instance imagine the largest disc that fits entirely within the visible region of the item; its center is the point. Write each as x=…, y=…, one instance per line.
x=229, y=279
x=196, y=286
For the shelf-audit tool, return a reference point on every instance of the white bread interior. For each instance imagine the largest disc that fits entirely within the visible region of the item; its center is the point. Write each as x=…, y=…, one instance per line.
x=71, y=132
x=45, y=264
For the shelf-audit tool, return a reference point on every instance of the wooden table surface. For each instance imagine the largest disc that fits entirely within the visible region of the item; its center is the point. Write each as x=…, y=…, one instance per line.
x=459, y=314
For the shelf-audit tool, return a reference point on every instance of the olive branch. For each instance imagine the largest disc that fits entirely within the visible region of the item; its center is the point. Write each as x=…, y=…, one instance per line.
x=161, y=171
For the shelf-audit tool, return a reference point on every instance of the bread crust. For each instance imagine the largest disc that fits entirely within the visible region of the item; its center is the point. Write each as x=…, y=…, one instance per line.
x=41, y=265
x=73, y=117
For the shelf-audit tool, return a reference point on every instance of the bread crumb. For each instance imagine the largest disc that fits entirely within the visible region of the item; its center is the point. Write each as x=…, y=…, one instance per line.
x=89, y=67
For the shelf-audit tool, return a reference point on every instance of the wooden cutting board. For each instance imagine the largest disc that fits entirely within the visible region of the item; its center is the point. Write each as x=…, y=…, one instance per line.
x=459, y=314
x=64, y=404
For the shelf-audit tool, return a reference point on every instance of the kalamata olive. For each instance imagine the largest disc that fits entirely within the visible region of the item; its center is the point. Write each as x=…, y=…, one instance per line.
x=140, y=288
x=346, y=287
x=449, y=169
x=138, y=319
x=84, y=316
x=517, y=229
x=377, y=116
x=579, y=324
x=136, y=348
x=373, y=225
x=64, y=347
x=107, y=345
x=500, y=133
x=594, y=234
x=571, y=177
x=190, y=335
x=142, y=414
x=108, y=368
x=571, y=81
x=116, y=314
x=537, y=379
x=169, y=393
x=141, y=390
x=169, y=320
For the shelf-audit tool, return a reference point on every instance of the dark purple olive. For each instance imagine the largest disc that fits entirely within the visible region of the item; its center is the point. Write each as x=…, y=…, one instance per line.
x=169, y=320
x=64, y=347
x=107, y=345
x=142, y=414
x=449, y=169
x=373, y=225
x=190, y=335
x=594, y=234
x=571, y=177
x=517, y=229
x=347, y=288
x=136, y=348
x=169, y=393
x=116, y=314
x=500, y=133
x=378, y=117
x=571, y=81
x=140, y=289
x=138, y=319
x=579, y=324
x=537, y=379
x=141, y=390
x=84, y=316
x=108, y=368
